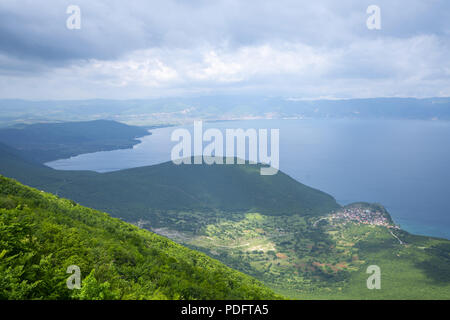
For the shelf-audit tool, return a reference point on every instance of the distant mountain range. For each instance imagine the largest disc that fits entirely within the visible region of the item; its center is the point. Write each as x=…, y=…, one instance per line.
x=182, y=110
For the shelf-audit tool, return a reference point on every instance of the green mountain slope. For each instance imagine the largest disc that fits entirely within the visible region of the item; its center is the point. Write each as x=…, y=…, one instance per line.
x=50, y=141
x=148, y=191
x=168, y=187
x=41, y=235
x=15, y=164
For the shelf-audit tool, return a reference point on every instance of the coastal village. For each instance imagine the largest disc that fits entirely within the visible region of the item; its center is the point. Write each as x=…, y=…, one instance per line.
x=361, y=215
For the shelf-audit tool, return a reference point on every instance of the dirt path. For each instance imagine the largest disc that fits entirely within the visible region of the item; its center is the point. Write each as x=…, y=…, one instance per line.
x=400, y=241
x=315, y=223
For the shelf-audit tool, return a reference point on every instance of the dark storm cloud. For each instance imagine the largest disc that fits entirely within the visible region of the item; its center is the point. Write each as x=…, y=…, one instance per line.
x=178, y=44
x=38, y=31
x=110, y=28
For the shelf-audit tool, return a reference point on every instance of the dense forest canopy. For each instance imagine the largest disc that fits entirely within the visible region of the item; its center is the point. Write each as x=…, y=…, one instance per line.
x=41, y=235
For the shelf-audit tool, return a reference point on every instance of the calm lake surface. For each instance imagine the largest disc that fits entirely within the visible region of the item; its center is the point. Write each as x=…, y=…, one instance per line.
x=402, y=164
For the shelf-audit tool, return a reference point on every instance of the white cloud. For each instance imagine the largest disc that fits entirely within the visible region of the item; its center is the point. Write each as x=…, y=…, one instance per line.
x=289, y=47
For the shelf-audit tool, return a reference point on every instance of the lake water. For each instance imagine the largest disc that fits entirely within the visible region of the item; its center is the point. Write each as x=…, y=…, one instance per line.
x=402, y=164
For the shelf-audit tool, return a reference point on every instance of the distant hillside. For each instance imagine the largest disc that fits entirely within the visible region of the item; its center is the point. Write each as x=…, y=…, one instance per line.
x=14, y=164
x=41, y=235
x=168, y=187
x=141, y=192
x=51, y=141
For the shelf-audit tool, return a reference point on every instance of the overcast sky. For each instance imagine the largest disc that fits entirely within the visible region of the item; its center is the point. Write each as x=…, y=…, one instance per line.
x=302, y=49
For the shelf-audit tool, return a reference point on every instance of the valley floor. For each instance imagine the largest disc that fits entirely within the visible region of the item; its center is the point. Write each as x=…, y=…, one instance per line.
x=319, y=257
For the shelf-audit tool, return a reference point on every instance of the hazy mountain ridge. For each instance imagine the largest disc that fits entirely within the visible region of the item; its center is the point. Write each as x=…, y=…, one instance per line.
x=183, y=110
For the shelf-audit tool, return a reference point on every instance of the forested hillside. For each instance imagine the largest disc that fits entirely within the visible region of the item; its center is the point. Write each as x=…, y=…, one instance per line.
x=143, y=192
x=41, y=235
